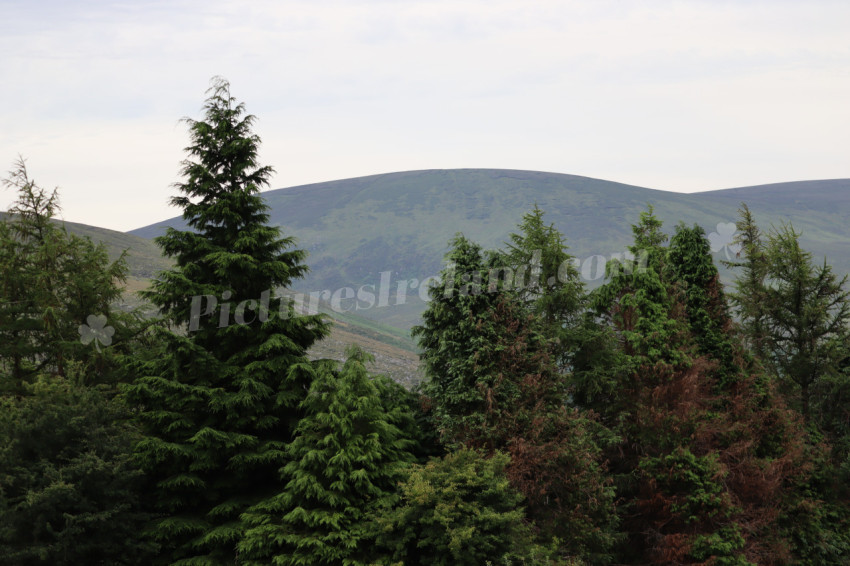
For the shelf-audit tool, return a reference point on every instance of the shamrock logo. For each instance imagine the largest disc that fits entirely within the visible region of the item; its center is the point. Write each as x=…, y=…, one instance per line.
x=724, y=239
x=96, y=331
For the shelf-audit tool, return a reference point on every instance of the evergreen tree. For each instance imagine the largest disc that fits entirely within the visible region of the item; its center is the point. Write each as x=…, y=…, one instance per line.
x=808, y=314
x=544, y=273
x=703, y=477
x=70, y=492
x=547, y=281
x=794, y=313
x=458, y=510
x=556, y=460
x=459, y=301
x=343, y=467
x=220, y=401
x=692, y=270
x=748, y=297
x=494, y=387
x=50, y=283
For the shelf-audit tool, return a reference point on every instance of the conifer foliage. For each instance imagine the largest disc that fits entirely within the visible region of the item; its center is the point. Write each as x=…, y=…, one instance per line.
x=635, y=424
x=220, y=402
x=50, y=283
x=449, y=337
x=342, y=470
x=69, y=491
x=547, y=281
x=708, y=452
x=494, y=387
x=458, y=510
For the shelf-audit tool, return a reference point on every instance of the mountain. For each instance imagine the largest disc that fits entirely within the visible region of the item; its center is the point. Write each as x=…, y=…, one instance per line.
x=383, y=234
x=143, y=255
x=394, y=351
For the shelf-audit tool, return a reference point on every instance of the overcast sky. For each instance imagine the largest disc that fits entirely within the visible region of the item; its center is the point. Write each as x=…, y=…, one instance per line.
x=679, y=96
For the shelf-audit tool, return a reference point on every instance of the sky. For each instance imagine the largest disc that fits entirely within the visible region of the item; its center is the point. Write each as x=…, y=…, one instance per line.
x=678, y=96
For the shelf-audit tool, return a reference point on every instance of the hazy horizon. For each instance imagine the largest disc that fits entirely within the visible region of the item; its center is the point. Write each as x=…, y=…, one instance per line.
x=682, y=97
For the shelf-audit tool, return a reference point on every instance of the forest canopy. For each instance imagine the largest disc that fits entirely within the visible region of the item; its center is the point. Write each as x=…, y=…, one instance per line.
x=660, y=418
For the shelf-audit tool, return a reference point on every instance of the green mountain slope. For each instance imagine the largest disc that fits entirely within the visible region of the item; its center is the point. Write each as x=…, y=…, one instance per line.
x=143, y=255
x=398, y=224
x=395, y=352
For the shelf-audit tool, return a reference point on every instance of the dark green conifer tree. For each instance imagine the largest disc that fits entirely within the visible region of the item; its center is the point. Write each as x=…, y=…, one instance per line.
x=692, y=270
x=460, y=300
x=458, y=510
x=70, y=492
x=221, y=400
x=50, y=283
x=494, y=386
x=707, y=455
x=344, y=464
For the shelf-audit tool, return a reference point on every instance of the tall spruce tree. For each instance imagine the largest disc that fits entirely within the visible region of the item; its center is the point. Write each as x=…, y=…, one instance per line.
x=221, y=401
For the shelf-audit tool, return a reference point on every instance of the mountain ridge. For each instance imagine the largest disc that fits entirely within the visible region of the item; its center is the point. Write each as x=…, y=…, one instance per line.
x=357, y=230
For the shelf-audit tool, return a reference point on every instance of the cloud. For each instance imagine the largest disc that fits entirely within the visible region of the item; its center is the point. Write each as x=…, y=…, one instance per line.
x=676, y=96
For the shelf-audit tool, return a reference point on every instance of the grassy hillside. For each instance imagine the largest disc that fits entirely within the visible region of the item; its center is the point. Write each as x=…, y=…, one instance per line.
x=355, y=229
x=395, y=353
x=388, y=232
x=143, y=255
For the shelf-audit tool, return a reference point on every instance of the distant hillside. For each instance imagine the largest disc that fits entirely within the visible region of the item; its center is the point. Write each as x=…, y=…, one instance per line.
x=394, y=352
x=355, y=229
x=820, y=209
x=143, y=255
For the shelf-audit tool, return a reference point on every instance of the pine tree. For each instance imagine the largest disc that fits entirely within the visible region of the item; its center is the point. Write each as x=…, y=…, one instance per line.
x=344, y=464
x=220, y=401
x=808, y=314
x=448, y=336
x=494, y=386
x=71, y=493
x=708, y=454
x=50, y=283
x=458, y=510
